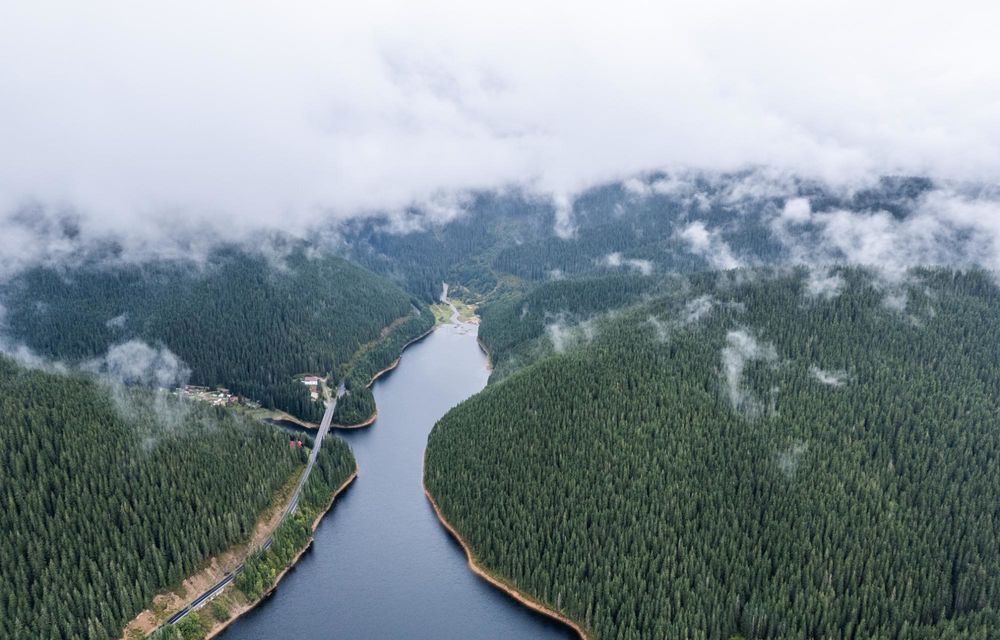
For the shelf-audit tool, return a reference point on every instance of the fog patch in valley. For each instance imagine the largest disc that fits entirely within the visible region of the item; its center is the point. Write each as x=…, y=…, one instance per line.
x=137, y=377
x=693, y=311
x=136, y=363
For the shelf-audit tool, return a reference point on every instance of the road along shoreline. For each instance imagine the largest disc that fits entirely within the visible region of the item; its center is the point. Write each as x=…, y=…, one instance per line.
x=243, y=609
x=496, y=582
x=293, y=504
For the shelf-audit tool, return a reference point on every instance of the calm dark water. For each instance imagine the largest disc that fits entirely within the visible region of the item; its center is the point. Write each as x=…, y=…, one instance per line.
x=382, y=566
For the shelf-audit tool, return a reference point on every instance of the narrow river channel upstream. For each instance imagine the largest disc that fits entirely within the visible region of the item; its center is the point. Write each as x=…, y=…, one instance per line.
x=382, y=566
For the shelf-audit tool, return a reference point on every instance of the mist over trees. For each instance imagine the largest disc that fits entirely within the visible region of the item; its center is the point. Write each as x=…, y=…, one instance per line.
x=684, y=378
x=104, y=508
x=239, y=320
x=620, y=484
x=684, y=221
x=736, y=264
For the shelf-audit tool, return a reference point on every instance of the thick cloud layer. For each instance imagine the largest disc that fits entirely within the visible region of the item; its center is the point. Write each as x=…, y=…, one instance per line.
x=192, y=119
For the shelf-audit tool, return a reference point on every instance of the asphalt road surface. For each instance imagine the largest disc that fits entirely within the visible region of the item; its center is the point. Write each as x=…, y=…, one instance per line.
x=293, y=504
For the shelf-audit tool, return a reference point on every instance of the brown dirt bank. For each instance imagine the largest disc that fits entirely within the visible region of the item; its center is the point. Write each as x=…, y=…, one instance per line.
x=489, y=356
x=167, y=603
x=243, y=608
x=395, y=363
x=368, y=422
x=496, y=582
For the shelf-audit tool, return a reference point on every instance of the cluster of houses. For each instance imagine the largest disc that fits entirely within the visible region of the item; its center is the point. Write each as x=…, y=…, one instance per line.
x=219, y=397
x=222, y=397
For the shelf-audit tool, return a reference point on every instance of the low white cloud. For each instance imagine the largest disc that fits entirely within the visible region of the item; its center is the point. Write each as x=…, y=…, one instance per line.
x=117, y=322
x=697, y=309
x=563, y=223
x=788, y=460
x=945, y=227
x=137, y=363
x=709, y=244
x=830, y=378
x=741, y=347
x=222, y=121
x=565, y=334
x=21, y=353
x=615, y=260
x=693, y=311
x=637, y=187
x=796, y=211
x=612, y=260
x=26, y=357
x=895, y=298
x=154, y=411
x=660, y=327
x=824, y=283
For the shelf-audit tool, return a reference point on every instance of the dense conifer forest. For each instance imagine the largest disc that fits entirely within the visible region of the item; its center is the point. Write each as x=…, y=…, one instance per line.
x=333, y=466
x=665, y=449
x=741, y=456
x=358, y=404
x=111, y=496
x=238, y=320
x=512, y=238
x=519, y=326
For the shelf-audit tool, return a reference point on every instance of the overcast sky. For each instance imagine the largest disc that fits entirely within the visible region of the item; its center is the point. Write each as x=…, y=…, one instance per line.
x=151, y=116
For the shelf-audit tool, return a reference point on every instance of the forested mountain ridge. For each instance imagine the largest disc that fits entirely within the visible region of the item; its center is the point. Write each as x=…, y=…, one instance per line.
x=657, y=222
x=239, y=320
x=519, y=326
x=110, y=498
x=670, y=446
x=744, y=456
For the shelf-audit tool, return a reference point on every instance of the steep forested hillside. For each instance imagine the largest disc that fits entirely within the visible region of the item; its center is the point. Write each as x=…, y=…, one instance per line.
x=108, y=498
x=334, y=465
x=520, y=326
x=358, y=405
x=743, y=456
x=239, y=320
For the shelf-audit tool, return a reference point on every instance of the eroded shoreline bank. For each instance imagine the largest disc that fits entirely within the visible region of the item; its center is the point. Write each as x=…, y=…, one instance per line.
x=243, y=609
x=496, y=582
x=370, y=420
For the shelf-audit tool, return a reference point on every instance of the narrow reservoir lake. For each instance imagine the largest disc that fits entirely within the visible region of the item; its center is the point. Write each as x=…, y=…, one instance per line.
x=382, y=566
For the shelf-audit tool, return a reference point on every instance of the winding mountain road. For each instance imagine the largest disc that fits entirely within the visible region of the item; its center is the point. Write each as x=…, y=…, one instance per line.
x=293, y=505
